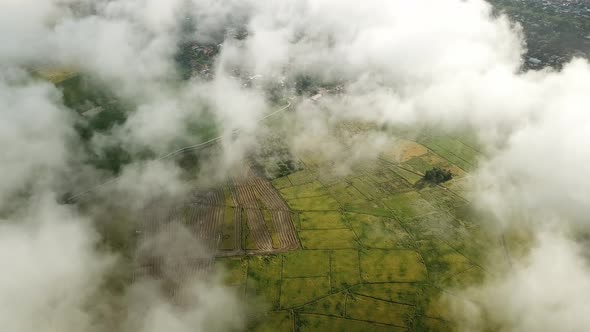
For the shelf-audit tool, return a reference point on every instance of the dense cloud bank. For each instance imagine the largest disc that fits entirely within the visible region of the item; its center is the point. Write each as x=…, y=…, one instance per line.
x=547, y=291
x=449, y=64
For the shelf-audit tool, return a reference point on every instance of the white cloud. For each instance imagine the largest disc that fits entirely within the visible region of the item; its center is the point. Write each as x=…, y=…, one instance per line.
x=548, y=291
x=446, y=63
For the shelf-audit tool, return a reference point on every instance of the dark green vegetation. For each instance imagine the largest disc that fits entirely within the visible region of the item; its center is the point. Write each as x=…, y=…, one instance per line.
x=194, y=59
x=309, y=85
x=305, y=84
x=99, y=111
x=374, y=250
x=555, y=29
x=437, y=175
x=95, y=103
x=377, y=251
x=272, y=158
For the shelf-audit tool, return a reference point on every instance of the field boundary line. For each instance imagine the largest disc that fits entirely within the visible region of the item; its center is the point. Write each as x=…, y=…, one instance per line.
x=354, y=319
x=382, y=300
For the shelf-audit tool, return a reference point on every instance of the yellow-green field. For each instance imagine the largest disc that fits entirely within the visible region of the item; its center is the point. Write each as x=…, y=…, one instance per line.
x=372, y=250
x=56, y=75
x=377, y=248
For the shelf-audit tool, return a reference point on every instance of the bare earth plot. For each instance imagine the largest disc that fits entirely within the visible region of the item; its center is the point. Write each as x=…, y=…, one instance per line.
x=377, y=250
x=370, y=251
x=269, y=219
x=247, y=217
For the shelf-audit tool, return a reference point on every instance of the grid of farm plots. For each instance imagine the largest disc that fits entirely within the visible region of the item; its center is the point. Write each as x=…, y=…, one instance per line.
x=377, y=249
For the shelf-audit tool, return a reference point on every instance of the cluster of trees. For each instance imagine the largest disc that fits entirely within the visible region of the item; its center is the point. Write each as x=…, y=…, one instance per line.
x=286, y=167
x=437, y=175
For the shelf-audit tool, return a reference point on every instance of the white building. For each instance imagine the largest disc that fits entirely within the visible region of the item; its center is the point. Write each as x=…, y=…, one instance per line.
x=316, y=97
x=535, y=61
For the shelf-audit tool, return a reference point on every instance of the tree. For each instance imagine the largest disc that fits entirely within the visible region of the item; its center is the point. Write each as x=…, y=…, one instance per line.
x=437, y=175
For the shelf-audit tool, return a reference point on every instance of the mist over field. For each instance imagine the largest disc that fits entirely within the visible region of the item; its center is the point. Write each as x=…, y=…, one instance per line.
x=447, y=64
